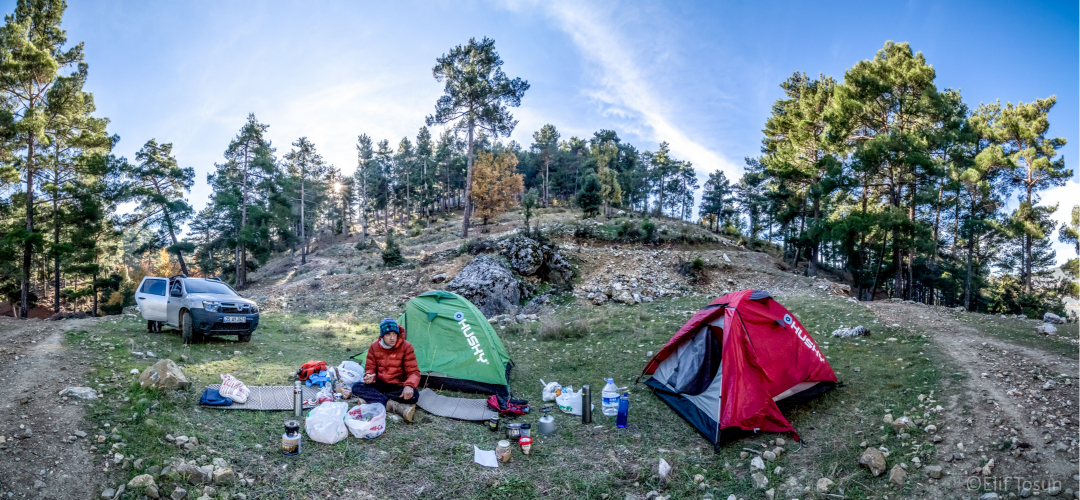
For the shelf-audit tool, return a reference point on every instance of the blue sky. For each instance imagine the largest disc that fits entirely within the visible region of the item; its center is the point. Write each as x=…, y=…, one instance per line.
x=700, y=75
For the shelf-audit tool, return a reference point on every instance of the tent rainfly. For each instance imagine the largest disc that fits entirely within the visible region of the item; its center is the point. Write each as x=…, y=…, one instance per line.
x=731, y=368
x=456, y=347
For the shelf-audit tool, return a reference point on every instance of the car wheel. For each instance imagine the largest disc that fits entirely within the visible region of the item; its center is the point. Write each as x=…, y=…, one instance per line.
x=244, y=338
x=187, y=326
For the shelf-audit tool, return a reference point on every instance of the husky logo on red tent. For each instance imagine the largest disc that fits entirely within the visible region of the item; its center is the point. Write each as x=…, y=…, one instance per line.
x=789, y=321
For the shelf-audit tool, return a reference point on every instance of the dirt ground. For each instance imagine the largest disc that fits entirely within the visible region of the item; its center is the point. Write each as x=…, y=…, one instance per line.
x=37, y=457
x=1017, y=406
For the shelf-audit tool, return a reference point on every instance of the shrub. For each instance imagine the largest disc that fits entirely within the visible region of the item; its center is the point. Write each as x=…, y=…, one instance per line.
x=391, y=255
x=648, y=228
x=629, y=231
x=693, y=270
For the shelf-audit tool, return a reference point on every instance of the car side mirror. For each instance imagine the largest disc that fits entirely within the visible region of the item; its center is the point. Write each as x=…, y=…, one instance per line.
x=177, y=293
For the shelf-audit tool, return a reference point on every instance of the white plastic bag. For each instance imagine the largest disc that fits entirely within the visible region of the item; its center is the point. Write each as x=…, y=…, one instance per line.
x=234, y=389
x=326, y=423
x=551, y=390
x=372, y=422
x=570, y=402
x=347, y=376
x=352, y=366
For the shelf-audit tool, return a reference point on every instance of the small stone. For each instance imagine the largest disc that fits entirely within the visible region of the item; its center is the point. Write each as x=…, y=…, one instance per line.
x=170, y=438
x=181, y=440
x=757, y=464
x=823, y=485
x=209, y=491
x=937, y=439
x=874, y=460
x=153, y=470
x=778, y=470
x=224, y=476
x=178, y=494
x=930, y=429
x=80, y=434
x=760, y=481
x=1053, y=491
x=108, y=493
x=770, y=494
x=897, y=475
x=242, y=496
x=780, y=442
x=989, y=496
x=933, y=471
x=39, y=484
x=698, y=478
x=138, y=464
x=141, y=481
x=194, y=441
x=152, y=492
x=1047, y=438
x=768, y=455
x=743, y=455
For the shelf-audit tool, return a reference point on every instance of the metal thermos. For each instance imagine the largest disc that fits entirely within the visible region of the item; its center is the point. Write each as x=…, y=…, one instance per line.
x=586, y=404
x=298, y=398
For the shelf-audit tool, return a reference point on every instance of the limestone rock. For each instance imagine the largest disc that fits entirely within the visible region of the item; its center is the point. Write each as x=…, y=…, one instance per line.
x=760, y=481
x=897, y=475
x=858, y=331
x=824, y=485
x=1046, y=329
x=224, y=476
x=556, y=270
x=757, y=464
x=141, y=481
x=79, y=392
x=164, y=375
x=523, y=254
x=1053, y=319
x=489, y=284
x=933, y=471
x=874, y=460
x=902, y=424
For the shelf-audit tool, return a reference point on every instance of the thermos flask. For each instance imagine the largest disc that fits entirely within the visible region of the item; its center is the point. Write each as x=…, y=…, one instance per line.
x=298, y=398
x=586, y=404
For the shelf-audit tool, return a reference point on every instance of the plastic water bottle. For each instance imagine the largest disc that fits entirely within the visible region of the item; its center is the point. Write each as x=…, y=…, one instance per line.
x=610, y=397
x=624, y=410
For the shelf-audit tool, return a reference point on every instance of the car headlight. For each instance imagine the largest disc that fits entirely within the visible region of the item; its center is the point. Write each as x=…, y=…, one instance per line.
x=254, y=309
x=211, y=306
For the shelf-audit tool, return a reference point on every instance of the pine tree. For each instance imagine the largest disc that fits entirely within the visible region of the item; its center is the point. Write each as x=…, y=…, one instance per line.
x=546, y=144
x=604, y=153
x=157, y=184
x=1022, y=130
x=306, y=169
x=476, y=95
x=32, y=54
x=717, y=199
x=364, y=164
x=589, y=198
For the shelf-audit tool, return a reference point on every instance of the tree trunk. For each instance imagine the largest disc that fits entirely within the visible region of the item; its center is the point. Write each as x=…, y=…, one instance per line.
x=881, y=257
x=547, y=168
x=303, y=223
x=56, y=244
x=468, y=182
x=28, y=248
x=812, y=266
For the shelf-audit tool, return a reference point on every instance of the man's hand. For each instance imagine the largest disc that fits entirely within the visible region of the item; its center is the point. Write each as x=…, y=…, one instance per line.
x=369, y=378
x=407, y=392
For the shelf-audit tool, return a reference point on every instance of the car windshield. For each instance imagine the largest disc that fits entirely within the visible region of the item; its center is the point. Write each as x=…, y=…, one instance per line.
x=203, y=286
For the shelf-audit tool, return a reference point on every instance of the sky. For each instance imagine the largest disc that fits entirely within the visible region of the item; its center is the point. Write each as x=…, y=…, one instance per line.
x=699, y=75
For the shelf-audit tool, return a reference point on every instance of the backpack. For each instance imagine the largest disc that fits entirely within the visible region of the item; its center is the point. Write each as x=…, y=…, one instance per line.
x=310, y=368
x=508, y=407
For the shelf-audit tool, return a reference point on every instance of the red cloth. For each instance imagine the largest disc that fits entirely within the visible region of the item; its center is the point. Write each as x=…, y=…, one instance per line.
x=393, y=366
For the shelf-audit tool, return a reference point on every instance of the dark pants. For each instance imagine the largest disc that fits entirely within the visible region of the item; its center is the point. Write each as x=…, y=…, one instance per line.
x=379, y=392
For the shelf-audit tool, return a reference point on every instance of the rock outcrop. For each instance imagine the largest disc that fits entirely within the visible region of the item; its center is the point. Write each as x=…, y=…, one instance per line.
x=529, y=258
x=489, y=284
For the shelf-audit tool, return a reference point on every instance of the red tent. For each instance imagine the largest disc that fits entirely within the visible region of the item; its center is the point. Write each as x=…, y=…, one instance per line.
x=735, y=363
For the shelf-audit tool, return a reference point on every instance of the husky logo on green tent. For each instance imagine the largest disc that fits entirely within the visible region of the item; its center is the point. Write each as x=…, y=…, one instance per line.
x=455, y=344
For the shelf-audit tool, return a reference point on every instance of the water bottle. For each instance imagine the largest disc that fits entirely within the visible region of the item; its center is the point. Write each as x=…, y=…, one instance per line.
x=624, y=408
x=610, y=396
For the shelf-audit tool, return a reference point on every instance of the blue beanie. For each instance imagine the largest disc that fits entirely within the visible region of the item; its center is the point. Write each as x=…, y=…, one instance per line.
x=388, y=325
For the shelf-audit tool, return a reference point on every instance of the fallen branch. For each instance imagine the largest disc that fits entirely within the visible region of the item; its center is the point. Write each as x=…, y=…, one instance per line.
x=752, y=451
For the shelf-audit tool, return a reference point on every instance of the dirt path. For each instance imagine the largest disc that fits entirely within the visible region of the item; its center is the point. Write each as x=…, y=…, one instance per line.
x=1018, y=406
x=38, y=459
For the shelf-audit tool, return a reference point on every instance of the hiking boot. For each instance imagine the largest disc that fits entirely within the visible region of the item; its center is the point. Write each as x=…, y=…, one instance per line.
x=406, y=411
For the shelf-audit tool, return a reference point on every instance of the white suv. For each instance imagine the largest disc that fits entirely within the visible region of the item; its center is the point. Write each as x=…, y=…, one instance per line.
x=197, y=307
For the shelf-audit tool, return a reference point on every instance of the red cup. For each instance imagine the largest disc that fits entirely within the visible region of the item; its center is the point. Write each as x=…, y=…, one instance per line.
x=526, y=444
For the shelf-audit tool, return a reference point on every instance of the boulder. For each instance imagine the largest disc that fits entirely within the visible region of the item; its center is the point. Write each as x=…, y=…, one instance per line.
x=164, y=375
x=874, y=460
x=523, y=254
x=1053, y=319
x=556, y=270
x=623, y=297
x=489, y=284
x=1046, y=329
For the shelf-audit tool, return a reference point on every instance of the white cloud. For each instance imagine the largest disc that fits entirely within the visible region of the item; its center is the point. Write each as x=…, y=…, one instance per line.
x=1065, y=196
x=624, y=82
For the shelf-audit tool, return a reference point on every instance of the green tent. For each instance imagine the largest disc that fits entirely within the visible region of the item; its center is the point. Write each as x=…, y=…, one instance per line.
x=456, y=347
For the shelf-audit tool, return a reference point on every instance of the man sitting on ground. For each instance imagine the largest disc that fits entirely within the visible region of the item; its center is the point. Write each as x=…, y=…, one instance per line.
x=391, y=374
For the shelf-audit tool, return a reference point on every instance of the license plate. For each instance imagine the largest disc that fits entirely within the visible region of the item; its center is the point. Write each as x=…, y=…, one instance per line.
x=235, y=319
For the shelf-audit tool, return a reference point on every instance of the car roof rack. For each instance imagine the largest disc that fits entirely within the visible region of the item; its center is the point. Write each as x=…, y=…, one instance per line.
x=179, y=276
x=213, y=278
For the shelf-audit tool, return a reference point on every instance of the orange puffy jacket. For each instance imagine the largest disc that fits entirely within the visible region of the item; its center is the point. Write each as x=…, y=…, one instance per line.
x=393, y=366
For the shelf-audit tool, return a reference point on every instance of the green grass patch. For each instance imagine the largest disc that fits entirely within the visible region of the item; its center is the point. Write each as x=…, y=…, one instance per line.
x=575, y=345
x=1022, y=332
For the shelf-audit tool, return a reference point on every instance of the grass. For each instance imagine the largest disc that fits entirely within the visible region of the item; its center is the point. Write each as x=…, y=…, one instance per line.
x=575, y=345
